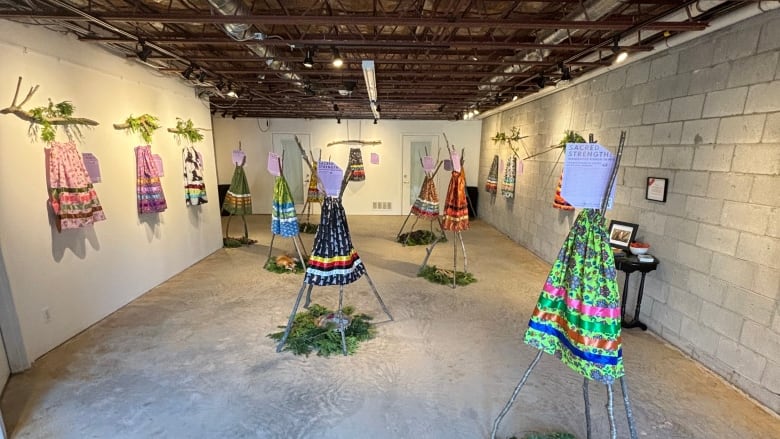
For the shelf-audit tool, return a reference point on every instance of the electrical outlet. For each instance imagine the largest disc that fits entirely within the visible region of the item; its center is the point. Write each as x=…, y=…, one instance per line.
x=46, y=315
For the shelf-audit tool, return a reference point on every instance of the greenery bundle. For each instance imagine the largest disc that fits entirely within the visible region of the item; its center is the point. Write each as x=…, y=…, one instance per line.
x=42, y=115
x=535, y=435
x=444, y=277
x=237, y=242
x=316, y=330
x=420, y=237
x=307, y=228
x=185, y=129
x=144, y=125
x=570, y=137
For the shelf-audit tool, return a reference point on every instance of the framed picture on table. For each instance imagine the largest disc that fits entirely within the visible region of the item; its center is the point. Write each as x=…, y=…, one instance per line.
x=621, y=234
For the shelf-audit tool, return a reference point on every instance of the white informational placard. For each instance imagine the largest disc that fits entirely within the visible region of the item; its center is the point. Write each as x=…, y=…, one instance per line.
x=93, y=166
x=455, y=157
x=428, y=163
x=586, y=173
x=330, y=176
x=238, y=156
x=273, y=164
x=159, y=164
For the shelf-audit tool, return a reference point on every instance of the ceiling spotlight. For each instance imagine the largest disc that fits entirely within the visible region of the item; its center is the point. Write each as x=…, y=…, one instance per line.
x=376, y=121
x=308, y=60
x=233, y=116
x=202, y=75
x=338, y=120
x=337, y=61
x=621, y=54
x=540, y=81
x=335, y=107
x=224, y=113
x=187, y=73
x=378, y=108
x=441, y=108
x=565, y=72
x=231, y=92
x=514, y=98
x=144, y=51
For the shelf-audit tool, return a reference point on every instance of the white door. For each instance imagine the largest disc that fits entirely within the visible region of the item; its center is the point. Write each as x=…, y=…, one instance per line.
x=414, y=147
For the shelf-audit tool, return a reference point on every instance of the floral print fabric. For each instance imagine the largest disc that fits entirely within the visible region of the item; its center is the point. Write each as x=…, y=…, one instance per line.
x=577, y=317
x=151, y=197
x=71, y=195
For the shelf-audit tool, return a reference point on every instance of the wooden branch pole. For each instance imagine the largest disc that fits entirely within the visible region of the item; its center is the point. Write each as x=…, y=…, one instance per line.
x=357, y=142
x=18, y=111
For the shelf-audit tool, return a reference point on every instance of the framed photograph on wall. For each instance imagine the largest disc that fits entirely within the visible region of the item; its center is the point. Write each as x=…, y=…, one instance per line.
x=656, y=189
x=622, y=234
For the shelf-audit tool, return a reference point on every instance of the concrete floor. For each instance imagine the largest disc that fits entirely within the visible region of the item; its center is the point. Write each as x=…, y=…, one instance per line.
x=190, y=359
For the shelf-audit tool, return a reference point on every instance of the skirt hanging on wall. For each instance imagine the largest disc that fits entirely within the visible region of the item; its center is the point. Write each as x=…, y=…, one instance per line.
x=456, y=206
x=194, y=187
x=508, y=185
x=284, y=220
x=491, y=185
x=151, y=197
x=71, y=195
x=558, y=201
x=313, y=195
x=427, y=203
x=334, y=261
x=356, y=165
x=577, y=317
x=238, y=200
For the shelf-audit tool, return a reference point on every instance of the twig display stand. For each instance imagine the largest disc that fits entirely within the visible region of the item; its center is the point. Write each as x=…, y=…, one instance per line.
x=579, y=322
x=334, y=261
x=426, y=205
x=284, y=222
x=313, y=194
x=456, y=216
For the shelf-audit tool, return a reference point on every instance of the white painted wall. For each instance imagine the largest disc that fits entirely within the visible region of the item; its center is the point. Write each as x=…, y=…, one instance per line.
x=383, y=181
x=83, y=275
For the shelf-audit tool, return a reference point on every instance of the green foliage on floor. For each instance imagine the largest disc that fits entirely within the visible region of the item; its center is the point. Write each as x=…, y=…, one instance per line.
x=420, y=237
x=273, y=267
x=312, y=332
x=236, y=242
x=307, y=228
x=444, y=277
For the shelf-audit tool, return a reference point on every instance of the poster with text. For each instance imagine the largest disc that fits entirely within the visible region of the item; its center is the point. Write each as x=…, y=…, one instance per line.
x=586, y=173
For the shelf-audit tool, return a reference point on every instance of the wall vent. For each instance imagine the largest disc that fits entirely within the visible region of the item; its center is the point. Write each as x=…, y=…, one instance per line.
x=382, y=205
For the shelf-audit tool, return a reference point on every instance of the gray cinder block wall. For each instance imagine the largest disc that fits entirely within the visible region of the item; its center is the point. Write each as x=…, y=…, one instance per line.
x=705, y=115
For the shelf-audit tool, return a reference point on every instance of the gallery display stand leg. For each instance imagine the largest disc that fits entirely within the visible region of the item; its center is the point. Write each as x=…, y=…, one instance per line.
x=227, y=227
x=339, y=313
x=411, y=229
x=459, y=237
x=588, y=425
x=299, y=248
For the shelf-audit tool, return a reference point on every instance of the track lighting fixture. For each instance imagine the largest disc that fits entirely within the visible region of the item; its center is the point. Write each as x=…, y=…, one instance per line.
x=337, y=61
x=231, y=92
x=565, y=72
x=308, y=60
x=335, y=107
x=378, y=108
x=540, y=81
x=224, y=113
x=143, y=51
x=233, y=116
x=441, y=108
x=621, y=54
x=202, y=75
x=187, y=73
x=376, y=121
x=338, y=120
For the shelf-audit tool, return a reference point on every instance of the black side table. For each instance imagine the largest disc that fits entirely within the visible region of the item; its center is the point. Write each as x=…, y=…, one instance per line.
x=628, y=265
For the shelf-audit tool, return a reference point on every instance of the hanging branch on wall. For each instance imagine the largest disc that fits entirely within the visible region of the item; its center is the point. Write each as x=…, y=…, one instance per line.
x=513, y=136
x=48, y=118
x=143, y=125
x=186, y=130
x=354, y=142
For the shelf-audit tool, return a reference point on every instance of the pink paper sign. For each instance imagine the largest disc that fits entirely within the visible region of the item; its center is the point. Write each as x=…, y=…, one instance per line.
x=374, y=158
x=455, y=161
x=93, y=166
x=428, y=164
x=519, y=167
x=273, y=164
x=330, y=175
x=159, y=164
x=238, y=156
